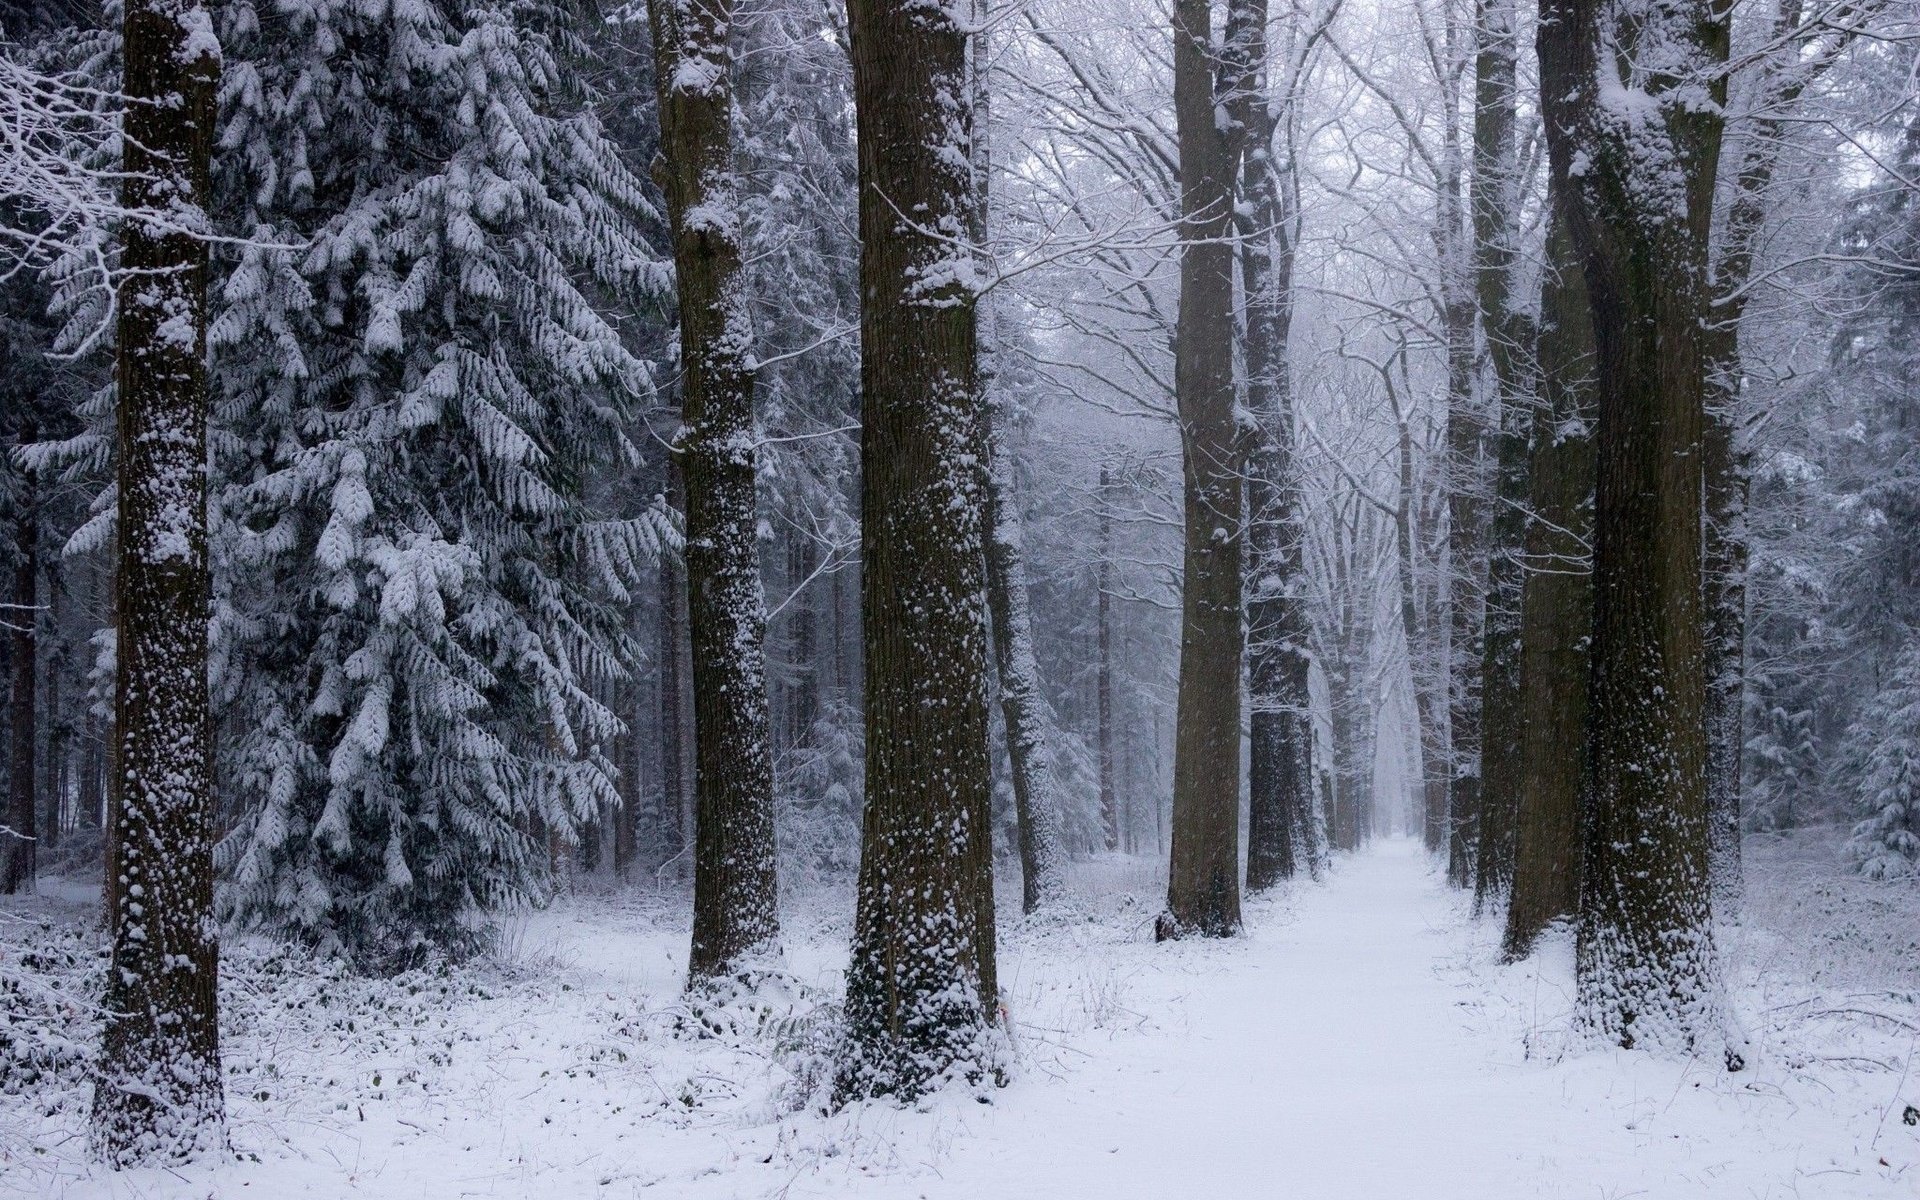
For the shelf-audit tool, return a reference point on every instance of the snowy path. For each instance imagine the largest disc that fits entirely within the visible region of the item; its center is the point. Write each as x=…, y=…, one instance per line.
x=1344, y=1053
x=1360, y=1042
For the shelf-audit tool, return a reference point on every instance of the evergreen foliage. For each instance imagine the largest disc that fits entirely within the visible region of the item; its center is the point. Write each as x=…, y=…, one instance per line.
x=416, y=379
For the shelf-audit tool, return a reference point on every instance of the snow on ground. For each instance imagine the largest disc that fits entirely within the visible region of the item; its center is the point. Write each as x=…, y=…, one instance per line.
x=1361, y=1041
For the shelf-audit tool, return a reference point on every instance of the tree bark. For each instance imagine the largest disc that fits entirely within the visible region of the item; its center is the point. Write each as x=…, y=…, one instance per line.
x=19, y=844
x=735, y=889
x=1203, y=888
x=1556, y=607
x=921, y=987
x=1509, y=337
x=1036, y=802
x=1463, y=578
x=1103, y=670
x=1639, y=200
x=671, y=680
x=157, y=1096
x=1280, y=723
x=1727, y=463
x=1413, y=631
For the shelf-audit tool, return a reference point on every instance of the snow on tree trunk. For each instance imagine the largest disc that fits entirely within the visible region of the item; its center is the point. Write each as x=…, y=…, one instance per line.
x=1036, y=803
x=1203, y=888
x=1023, y=706
x=922, y=995
x=1280, y=825
x=1636, y=148
x=735, y=889
x=1556, y=606
x=1464, y=572
x=1508, y=335
x=157, y=1095
x=1103, y=669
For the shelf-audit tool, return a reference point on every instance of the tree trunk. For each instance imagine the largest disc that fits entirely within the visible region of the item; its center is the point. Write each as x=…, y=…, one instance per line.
x=1727, y=465
x=1036, y=803
x=921, y=988
x=1426, y=700
x=19, y=843
x=1103, y=669
x=1509, y=339
x=1556, y=607
x=735, y=891
x=1280, y=723
x=1203, y=888
x=1463, y=578
x=1646, y=968
x=673, y=692
x=1023, y=708
x=157, y=1096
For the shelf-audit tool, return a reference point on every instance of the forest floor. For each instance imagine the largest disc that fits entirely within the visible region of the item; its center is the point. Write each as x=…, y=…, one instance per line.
x=1361, y=1041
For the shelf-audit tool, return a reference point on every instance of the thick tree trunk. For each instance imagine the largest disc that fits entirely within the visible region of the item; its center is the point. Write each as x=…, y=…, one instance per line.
x=1646, y=965
x=157, y=1096
x=1203, y=888
x=1556, y=608
x=1280, y=723
x=735, y=890
x=19, y=842
x=921, y=987
x=1509, y=339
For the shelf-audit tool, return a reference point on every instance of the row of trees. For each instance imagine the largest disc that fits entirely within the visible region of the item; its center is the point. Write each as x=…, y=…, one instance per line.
x=516, y=394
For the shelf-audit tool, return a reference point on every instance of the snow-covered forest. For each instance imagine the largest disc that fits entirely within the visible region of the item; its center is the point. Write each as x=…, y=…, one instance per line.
x=936, y=598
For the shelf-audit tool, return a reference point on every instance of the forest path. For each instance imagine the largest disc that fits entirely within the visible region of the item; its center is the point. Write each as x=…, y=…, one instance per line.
x=1329, y=1057
x=1339, y=1050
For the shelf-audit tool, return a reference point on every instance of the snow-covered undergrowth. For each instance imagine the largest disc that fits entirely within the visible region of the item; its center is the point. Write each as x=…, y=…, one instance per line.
x=1361, y=1041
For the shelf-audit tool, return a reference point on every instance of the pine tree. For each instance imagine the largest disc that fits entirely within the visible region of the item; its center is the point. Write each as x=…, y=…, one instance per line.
x=158, y=1094
x=1886, y=841
x=416, y=381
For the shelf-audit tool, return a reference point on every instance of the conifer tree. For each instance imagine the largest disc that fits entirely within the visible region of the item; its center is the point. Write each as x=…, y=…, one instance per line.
x=416, y=382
